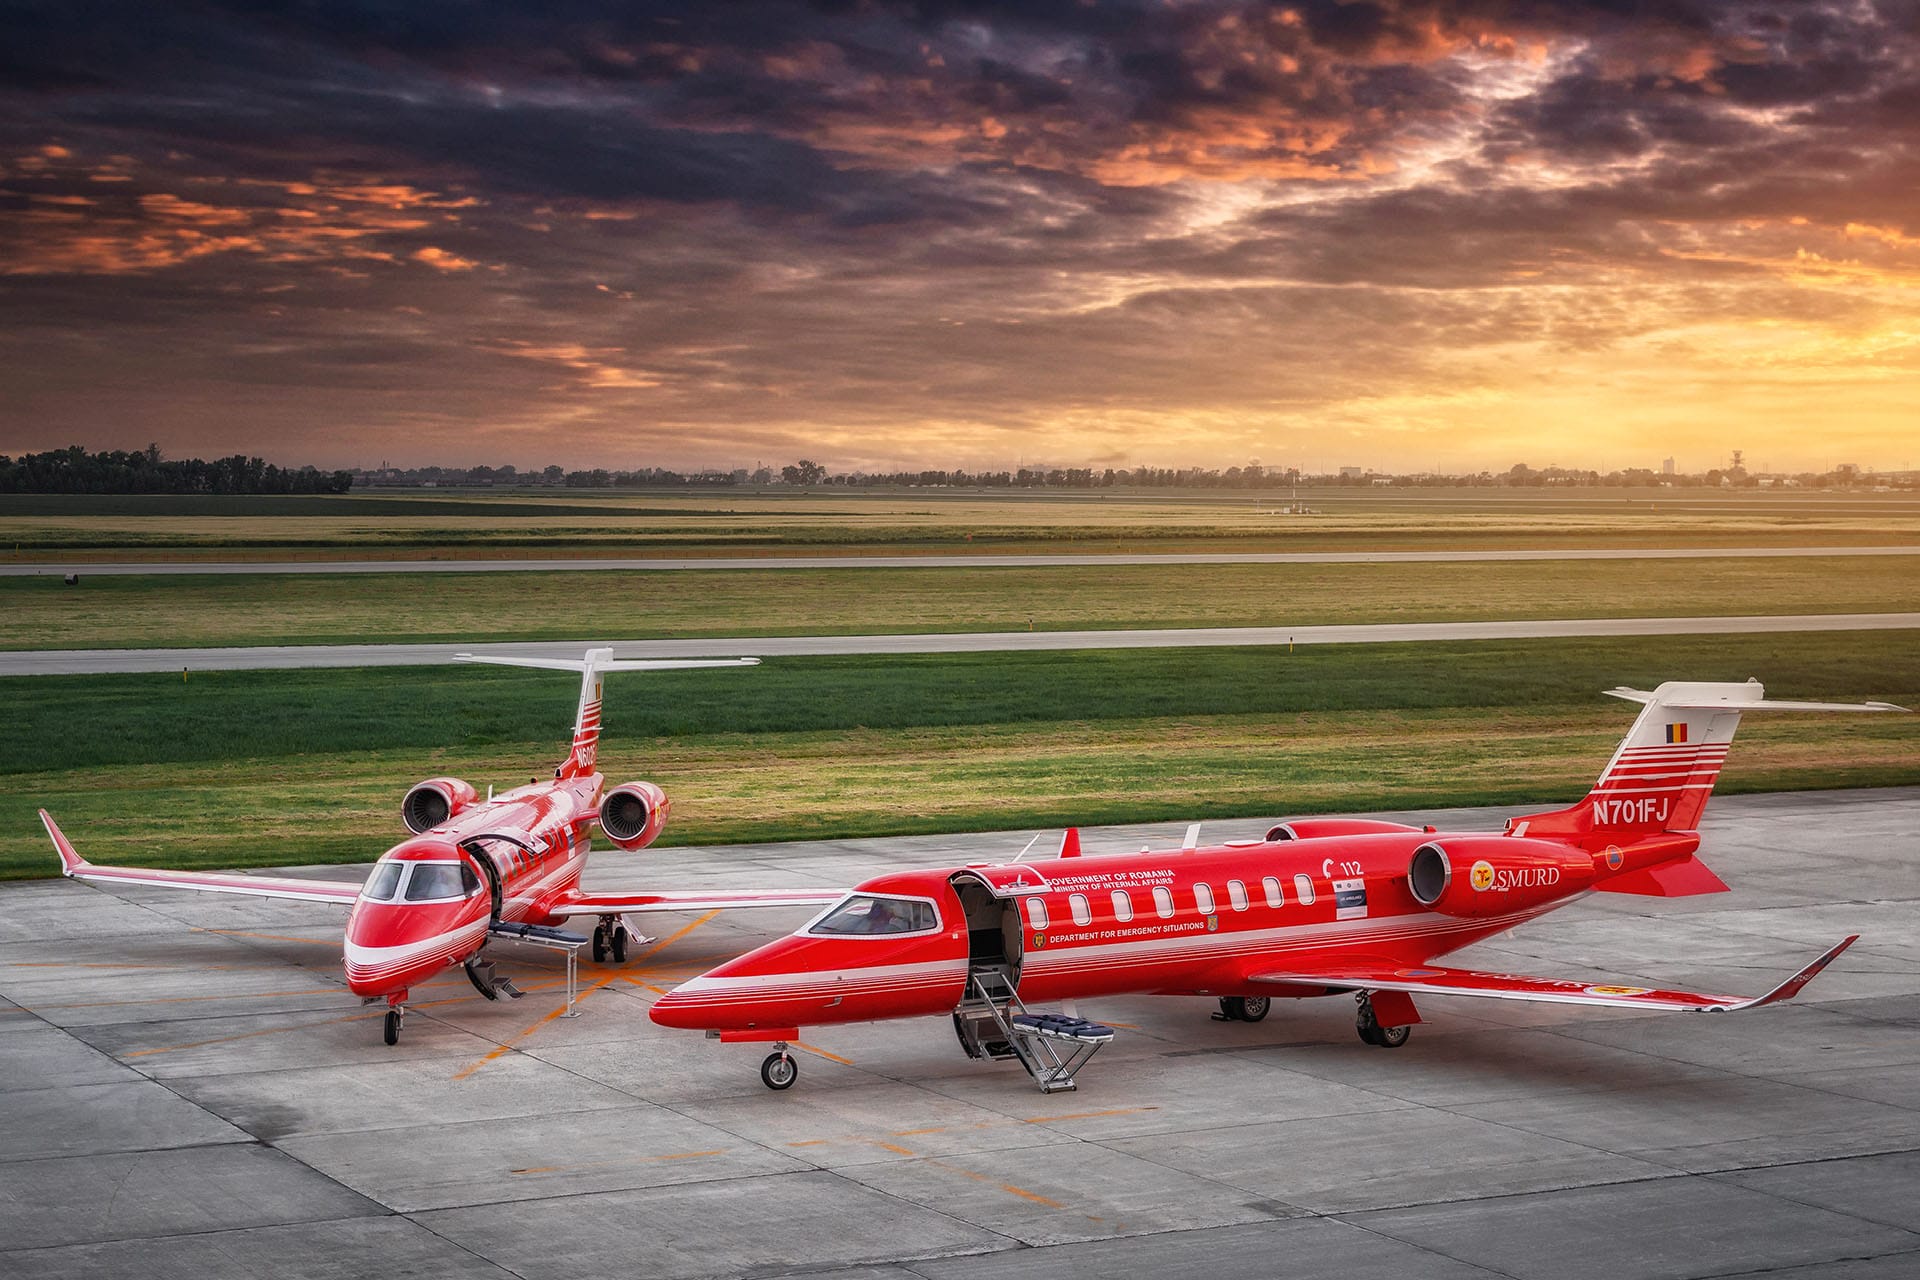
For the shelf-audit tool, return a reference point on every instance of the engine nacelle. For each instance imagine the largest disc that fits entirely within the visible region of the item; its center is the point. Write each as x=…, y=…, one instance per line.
x=633, y=813
x=1475, y=876
x=434, y=802
x=1314, y=828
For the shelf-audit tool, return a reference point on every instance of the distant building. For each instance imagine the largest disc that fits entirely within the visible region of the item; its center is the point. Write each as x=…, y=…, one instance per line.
x=1666, y=466
x=1352, y=473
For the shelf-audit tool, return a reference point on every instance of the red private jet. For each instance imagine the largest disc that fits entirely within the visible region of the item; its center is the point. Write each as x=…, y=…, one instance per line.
x=507, y=866
x=1320, y=907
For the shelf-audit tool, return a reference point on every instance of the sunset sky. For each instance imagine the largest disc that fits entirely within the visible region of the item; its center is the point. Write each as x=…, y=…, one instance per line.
x=1456, y=234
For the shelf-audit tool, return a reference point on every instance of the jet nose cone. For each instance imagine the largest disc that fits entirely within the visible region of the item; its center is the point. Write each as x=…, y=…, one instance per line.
x=391, y=948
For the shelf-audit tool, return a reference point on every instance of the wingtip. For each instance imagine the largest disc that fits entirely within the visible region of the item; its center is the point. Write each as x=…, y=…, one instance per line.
x=70, y=859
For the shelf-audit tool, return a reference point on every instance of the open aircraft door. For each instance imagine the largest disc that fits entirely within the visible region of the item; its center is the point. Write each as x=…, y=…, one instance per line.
x=991, y=898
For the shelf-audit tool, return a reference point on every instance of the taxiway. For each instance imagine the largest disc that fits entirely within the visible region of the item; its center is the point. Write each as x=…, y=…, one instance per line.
x=186, y=1089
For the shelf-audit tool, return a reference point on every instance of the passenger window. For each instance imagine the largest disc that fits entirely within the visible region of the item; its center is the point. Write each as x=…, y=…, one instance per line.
x=1237, y=895
x=1122, y=906
x=1163, y=901
x=1203, y=898
x=1275, y=898
x=1303, y=890
x=1082, y=913
x=1037, y=914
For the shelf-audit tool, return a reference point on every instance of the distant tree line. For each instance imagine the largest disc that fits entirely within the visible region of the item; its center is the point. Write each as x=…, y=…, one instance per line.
x=809, y=474
x=74, y=470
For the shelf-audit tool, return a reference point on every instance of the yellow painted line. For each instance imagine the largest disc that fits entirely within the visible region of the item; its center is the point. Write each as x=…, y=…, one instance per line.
x=914, y=1133
x=270, y=937
x=610, y=1164
x=1088, y=1115
x=1007, y=1187
x=247, y=995
x=248, y=1035
x=810, y=1142
x=506, y=1046
x=831, y=1057
x=890, y=1146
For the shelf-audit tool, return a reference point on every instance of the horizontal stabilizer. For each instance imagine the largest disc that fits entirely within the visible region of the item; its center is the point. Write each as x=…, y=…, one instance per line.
x=1439, y=981
x=1731, y=700
x=623, y=664
x=1685, y=878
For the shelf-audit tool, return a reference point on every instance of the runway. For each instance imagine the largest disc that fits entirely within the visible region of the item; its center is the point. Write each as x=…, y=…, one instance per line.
x=188, y=1090
x=261, y=657
x=975, y=561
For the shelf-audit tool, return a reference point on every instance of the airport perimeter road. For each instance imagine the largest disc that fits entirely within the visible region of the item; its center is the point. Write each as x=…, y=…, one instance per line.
x=187, y=1089
x=976, y=561
x=28, y=662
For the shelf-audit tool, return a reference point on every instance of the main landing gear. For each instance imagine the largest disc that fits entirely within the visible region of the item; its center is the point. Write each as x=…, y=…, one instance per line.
x=612, y=935
x=1243, y=1008
x=779, y=1071
x=1370, y=1030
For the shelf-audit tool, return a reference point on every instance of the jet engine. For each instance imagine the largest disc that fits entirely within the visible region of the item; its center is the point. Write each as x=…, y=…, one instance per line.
x=1475, y=876
x=633, y=813
x=434, y=801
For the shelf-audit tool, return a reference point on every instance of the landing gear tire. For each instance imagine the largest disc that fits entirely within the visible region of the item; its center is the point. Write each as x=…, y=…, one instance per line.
x=599, y=944
x=619, y=944
x=1391, y=1037
x=392, y=1034
x=1245, y=1008
x=1368, y=1027
x=779, y=1071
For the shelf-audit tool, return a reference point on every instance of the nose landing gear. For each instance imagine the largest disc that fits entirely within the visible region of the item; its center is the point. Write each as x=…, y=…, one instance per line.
x=396, y=1013
x=779, y=1071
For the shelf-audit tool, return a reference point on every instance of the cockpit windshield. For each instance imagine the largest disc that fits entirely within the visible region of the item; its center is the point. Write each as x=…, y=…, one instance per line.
x=437, y=881
x=865, y=914
x=384, y=880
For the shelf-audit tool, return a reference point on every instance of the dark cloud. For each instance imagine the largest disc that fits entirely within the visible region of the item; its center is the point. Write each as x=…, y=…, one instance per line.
x=933, y=224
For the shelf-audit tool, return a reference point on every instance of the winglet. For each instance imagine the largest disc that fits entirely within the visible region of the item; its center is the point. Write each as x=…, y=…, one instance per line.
x=71, y=863
x=1070, y=843
x=1791, y=987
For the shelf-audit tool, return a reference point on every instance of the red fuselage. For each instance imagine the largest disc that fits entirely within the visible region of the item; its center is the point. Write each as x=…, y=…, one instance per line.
x=1198, y=922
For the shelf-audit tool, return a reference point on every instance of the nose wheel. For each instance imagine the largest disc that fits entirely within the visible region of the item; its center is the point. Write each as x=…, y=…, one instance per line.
x=392, y=1025
x=779, y=1071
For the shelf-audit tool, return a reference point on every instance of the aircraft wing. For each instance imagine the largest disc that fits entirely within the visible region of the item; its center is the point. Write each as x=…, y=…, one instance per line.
x=1438, y=981
x=78, y=868
x=609, y=904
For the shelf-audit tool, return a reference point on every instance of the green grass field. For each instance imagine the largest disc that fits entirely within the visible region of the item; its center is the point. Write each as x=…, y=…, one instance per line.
x=454, y=524
x=274, y=768
x=131, y=611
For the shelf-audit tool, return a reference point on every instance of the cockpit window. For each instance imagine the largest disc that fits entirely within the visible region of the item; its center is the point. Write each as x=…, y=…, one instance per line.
x=864, y=914
x=384, y=880
x=434, y=881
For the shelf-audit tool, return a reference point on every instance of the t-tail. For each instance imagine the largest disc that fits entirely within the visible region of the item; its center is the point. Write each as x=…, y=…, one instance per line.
x=587, y=720
x=1664, y=769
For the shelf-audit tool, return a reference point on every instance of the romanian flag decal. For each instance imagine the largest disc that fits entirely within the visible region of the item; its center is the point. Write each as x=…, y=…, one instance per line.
x=1676, y=733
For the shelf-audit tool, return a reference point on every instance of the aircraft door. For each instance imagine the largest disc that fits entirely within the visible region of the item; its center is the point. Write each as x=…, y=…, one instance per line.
x=990, y=897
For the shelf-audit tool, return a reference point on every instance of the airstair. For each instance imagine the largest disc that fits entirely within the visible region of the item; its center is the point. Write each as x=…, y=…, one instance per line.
x=992, y=1022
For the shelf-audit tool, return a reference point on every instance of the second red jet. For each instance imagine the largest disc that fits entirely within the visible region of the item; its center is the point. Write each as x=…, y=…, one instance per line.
x=1320, y=907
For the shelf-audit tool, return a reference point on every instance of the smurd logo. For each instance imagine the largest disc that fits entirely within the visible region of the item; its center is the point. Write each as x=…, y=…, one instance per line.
x=1481, y=877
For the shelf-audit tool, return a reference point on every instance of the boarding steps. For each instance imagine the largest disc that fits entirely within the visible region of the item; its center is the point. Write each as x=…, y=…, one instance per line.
x=992, y=1022
x=532, y=935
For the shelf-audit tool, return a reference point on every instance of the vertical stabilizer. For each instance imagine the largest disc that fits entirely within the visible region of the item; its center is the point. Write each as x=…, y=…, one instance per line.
x=1664, y=769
